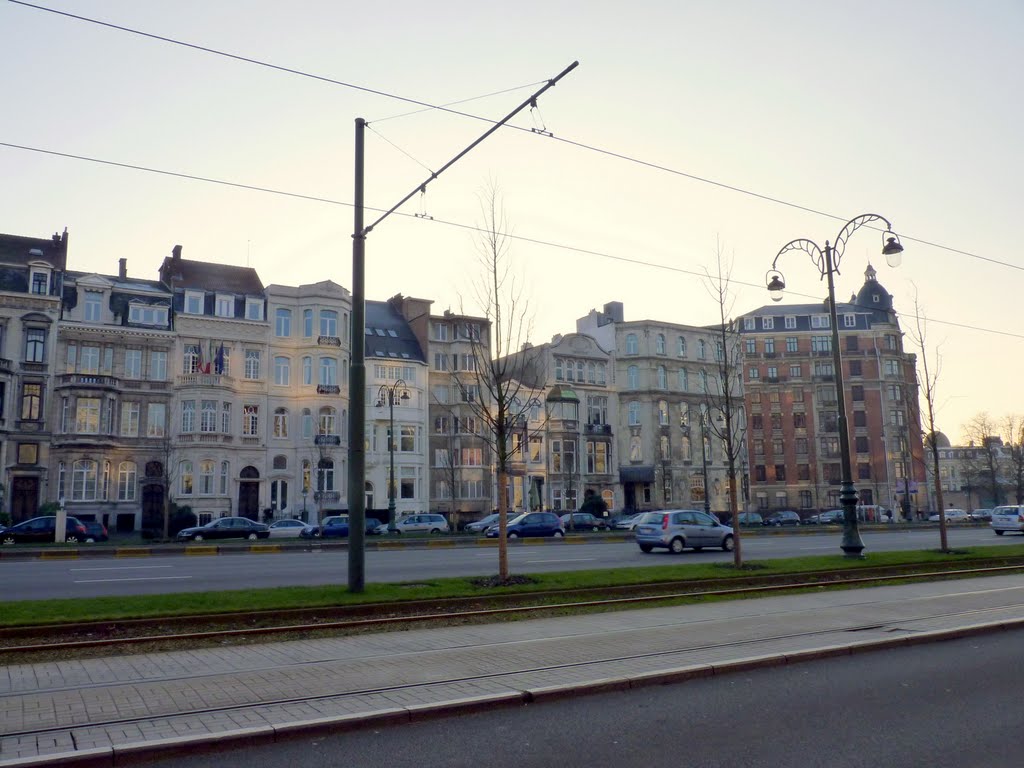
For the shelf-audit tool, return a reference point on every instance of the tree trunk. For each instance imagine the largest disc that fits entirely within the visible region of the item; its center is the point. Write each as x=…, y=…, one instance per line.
x=502, y=525
x=737, y=552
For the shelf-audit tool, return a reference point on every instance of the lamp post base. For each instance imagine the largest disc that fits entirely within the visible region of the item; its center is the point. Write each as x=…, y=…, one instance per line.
x=851, y=544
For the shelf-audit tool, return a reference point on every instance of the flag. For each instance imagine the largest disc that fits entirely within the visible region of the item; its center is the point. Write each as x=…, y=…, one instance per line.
x=199, y=358
x=218, y=362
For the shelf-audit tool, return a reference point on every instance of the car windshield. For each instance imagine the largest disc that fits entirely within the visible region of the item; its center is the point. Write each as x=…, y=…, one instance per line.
x=517, y=519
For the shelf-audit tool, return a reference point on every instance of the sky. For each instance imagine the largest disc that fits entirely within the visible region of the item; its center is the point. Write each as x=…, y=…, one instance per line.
x=754, y=123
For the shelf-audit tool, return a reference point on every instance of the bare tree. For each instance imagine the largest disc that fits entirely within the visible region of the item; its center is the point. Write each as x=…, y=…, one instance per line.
x=496, y=392
x=981, y=433
x=1013, y=428
x=449, y=468
x=727, y=398
x=929, y=380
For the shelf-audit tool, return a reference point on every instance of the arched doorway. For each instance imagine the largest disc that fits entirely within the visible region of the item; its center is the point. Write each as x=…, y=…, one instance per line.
x=249, y=493
x=369, y=495
x=153, y=499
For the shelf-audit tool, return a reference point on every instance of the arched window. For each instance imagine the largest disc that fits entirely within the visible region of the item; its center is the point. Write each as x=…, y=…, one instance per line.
x=666, y=448
x=280, y=422
x=684, y=448
x=185, y=472
x=632, y=347
x=328, y=371
x=701, y=349
x=83, y=480
x=633, y=377
x=206, y=477
x=684, y=380
x=307, y=423
x=328, y=421
x=280, y=462
x=282, y=371
x=325, y=475
x=704, y=381
x=307, y=470
x=634, y=413
x=126, y=474
x=659, y=344
x=328, y=322
x=283, y=323
x=663, y=413
x=662, y=377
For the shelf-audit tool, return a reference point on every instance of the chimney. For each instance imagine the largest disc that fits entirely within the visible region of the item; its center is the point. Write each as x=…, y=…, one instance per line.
x=176, y=253
x=122, y=269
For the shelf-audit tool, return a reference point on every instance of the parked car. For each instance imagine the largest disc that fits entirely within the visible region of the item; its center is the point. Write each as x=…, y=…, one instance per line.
x=1008, y=518
x=95, y=531
x=286, y=529
x=41, y=530
x=782, y=517
x=582, y=521
x=531, y=524
x=984, y=515
x=481, y=525
x=952, y=516
x=423, y=523
x=678, y=529
x=829, y=517
x=226, y=528
x=624, y=523
x=750, y=518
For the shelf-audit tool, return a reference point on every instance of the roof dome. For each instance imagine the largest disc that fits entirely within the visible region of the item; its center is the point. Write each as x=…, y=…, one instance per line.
x=941, y=441
x=872, y=295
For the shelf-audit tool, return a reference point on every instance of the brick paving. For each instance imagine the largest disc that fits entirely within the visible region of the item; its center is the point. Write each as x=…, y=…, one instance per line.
x=260, y=691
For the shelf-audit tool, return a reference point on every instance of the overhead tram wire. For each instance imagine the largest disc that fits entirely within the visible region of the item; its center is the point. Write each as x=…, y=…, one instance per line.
x=469, y=115
x=468, y=227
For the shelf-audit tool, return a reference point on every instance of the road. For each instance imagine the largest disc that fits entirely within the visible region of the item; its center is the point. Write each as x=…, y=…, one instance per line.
x=45, y=579
x=944, y=705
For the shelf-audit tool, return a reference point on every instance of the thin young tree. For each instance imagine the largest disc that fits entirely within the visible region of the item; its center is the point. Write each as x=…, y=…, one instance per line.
x=981, y=432
x=1013, y=428
x=726, y=397
x=929, y=379
x=496, y=392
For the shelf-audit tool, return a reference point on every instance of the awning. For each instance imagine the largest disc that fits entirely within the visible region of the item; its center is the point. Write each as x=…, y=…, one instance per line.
x=636, y=474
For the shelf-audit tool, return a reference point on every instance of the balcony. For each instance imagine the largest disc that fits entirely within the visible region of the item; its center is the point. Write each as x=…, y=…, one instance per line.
x=327, y=497
x=328, y=389
x=327, y=440
x=598, y=429
x=87, y=380
x=328, y=341
x=825, y=377
x=6, y=366
x=204, y=380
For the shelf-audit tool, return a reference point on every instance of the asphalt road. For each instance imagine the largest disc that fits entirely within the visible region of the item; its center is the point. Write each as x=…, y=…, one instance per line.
x=44, y=579
x=945, y=705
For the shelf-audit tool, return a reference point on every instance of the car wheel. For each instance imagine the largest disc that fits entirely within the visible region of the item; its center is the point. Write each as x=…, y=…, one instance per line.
x=677, y=546
x=646, y=548
x=197, y=537
x=10, y=539
x=594, y=529
x=558, y=534
x=728, y=544
x=513, y=535
x=435, y=530
x=90, y=540
x=252, y=537
x=998, y=533
x=72, y=539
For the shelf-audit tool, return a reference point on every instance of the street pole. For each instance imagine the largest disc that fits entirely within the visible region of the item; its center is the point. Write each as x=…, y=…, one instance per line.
x=704, y=462
x=390, y=394
x=827, y=261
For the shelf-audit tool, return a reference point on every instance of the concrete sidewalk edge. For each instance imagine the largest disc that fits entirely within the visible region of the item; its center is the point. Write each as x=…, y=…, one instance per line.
x=131, y=754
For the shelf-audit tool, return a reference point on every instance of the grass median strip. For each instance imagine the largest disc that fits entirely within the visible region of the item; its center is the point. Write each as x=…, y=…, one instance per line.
x=20, y=613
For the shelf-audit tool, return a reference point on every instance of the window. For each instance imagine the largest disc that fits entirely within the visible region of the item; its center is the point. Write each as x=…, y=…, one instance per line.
x=307, y=323
x=860, y=418
x=895, y=392
x=790, y=322
x=93, y=306
x=282, y=371
x=749, y=323
x=190, y=360
x=206, y=468
x=325, y=475
x=772, y=373
x=597, y=458
x=254, y=309
x=684, y=380
x=769, y=346
x=439, y=331
x=407, y=438
x=852, y=343
x=87, y=416
x=756, y=421
x=632, y=346
x=280, y=423
x=792, y=344
x=307, y=423
x=850, y=321
x=193, y=302
x=144, y=314
x=823, y=369
x=753, y=373
x=31, y=401
x=250, y=420
x=597, y=409
x=328, y=322
x=157, y=366
x=83, y=480
x=863, y=470
x=156, y=419
x=659, y=344
x=897, y=418
x=188, y=416
x=328, y=417
x=820, y=321
x=891, y=367
x=796, y=371
x=225, y=418
x=634, y=413
x=129, y=419
x=702, y=349
x=307, y=370
x=776, y=420
x=663, y=413
x=133, y=363
x=126, y=474
x=90, y=360
x=283, y=323
x=821, y=343
x=208, y=416
x=751, y=346
x=780, y=473
x=861, y=444
x=800, y=446
x=857, y=393
x=40, y=282
x=662, y=377
x=252, y=364
x=758, y=447
x=185, y=472
x=328, y=371
x=799, y=420
x=35, y=345
x=225, y=306
x=681, y=346
x=856, y=368
x=760, y=475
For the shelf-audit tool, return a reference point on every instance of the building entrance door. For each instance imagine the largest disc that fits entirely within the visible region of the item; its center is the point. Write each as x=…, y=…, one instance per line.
x=24, y=498
x=249, y=493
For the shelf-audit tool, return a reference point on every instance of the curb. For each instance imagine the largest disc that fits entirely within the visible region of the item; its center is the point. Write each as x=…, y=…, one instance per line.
x=107, y=757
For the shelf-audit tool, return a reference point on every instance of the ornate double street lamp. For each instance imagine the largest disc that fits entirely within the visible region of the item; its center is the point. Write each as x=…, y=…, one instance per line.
x=827, y=261
x=387, y=396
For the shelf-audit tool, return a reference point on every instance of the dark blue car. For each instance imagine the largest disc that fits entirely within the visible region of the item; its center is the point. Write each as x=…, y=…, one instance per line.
x=531, y=524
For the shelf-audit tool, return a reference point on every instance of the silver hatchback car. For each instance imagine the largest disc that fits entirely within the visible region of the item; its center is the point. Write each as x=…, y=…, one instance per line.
x=677, y=529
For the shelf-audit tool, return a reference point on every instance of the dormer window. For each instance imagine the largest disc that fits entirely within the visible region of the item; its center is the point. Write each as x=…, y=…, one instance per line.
x=93, y=306
x=145, y=315
x=40, y=281
x=253, y=309
x=225, y=306
x=193, y=302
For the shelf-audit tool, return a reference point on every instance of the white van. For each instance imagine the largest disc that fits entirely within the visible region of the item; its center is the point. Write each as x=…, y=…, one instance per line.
x=1008, y=518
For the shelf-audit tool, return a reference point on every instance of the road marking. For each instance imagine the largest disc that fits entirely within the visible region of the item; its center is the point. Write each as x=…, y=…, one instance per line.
x=569, y=560
x=137, y=578
x=972, y=592
x=121, y=567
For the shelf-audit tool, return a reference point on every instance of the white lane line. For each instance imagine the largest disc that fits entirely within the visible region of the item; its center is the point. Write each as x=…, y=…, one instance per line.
x=570, y=560
x=137, y=578
x=122, y=568
x=972, y=592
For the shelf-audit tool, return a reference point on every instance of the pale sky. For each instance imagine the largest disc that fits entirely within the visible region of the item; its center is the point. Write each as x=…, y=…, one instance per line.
x=907, y=108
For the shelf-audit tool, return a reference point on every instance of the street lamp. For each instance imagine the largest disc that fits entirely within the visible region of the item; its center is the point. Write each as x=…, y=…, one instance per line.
x=827, y=261
x=387, y=396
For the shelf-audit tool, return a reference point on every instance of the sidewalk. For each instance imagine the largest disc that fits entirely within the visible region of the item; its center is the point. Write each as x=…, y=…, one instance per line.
x=119, y=709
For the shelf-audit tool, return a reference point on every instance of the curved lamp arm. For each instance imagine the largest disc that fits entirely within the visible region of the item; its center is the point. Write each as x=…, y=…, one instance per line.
x=849, y=228
x=807, y=246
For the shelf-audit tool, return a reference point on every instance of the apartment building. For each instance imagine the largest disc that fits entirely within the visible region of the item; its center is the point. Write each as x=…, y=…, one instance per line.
x=791, y=401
